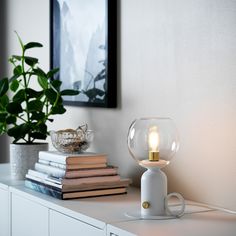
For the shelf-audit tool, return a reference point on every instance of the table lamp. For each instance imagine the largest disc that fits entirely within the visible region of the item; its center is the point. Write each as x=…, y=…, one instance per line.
x=152, y=142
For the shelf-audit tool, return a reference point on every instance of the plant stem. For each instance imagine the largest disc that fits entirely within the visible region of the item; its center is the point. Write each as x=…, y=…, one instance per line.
x=26, y=86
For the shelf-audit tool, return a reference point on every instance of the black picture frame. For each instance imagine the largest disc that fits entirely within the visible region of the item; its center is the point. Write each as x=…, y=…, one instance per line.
x=106, y=77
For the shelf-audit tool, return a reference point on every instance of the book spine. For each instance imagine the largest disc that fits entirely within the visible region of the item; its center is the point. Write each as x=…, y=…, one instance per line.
x=47, y=180
x=85, y=166
x=50, y=170
x=59, y=187
x=84, y=158
x=51, y=156
x=90, y=180
x=37, y=174
x=57, y=165
x=43, y=189
x=91, y=173
x=94, y=193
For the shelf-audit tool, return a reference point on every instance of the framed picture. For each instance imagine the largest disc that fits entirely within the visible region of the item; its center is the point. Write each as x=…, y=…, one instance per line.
x=83, y=45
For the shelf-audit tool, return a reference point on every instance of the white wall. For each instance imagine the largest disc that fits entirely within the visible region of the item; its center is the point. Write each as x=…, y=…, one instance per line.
x=178, y=59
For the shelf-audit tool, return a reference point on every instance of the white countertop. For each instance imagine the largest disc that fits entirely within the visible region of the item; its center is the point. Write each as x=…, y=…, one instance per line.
x=213, y=223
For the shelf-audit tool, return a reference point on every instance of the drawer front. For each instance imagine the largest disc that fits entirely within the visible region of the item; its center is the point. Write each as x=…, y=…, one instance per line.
x=28, y=217
x=4, y=213
x=61, y=225
x=115, y=231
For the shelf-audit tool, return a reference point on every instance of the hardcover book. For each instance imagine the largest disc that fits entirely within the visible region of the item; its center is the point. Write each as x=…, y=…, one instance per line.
x=80, y=173
x=75, y=181
x=82, y=158
x=56, y=184
x=70, y=195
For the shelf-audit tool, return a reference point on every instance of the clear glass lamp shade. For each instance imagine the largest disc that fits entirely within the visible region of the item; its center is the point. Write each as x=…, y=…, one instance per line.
x=153, y=137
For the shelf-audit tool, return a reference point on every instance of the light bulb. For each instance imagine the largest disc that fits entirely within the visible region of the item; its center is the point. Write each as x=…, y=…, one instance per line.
x=153, y=139
x=153, y=143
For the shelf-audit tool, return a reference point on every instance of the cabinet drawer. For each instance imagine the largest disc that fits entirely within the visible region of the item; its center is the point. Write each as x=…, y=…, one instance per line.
x=116, y=231
x=28, y=217
x=4, y=212
x=61, y=225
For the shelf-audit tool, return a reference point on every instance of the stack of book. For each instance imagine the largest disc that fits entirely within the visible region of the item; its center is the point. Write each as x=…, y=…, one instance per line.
x=66, y=176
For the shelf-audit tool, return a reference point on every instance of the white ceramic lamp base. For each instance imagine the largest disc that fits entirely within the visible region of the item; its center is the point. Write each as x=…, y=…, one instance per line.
x=154, y=198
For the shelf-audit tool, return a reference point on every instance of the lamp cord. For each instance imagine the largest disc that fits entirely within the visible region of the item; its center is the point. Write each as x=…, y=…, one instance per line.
x=212, y=208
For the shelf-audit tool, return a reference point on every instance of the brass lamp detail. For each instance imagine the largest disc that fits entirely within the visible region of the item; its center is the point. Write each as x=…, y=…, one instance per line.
x=145, y=205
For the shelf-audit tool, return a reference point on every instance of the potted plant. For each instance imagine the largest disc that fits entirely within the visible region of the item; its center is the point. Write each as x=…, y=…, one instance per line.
x=25, y=111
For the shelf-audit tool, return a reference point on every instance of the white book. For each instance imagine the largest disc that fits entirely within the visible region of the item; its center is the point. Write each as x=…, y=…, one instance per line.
x=50, y=170
x=37, y=174
x=80, y=158
x=53, y=180
x=43, y=181
x=51, y=163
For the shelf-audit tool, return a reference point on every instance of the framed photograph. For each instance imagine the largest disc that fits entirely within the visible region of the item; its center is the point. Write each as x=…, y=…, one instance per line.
x=83, y=45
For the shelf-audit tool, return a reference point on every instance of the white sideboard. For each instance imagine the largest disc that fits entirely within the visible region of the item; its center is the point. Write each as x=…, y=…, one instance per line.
x=4, y=210
x=5, y=182
x=24, y=212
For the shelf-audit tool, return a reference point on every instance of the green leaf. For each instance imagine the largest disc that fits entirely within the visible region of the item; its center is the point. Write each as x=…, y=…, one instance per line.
x=4, y=100
x=35, y=105
x=33, y=45
x=3, y=117
x=13, y=78
x=12, y=60
x=38, y=135
x=4, y=86
x=40, y=72
x=42, y=127
x=18, y=58
x=58, y=110
x=43, y=82
x=19, y=97
x=14, y=132
x=21, y=43
x=31, y=93
x=17, y=70
x=51, y=95
x=2, y=128
x=69, y=92
x=31, y=61
x=52, y=72
x=19, y=131
x=11, y=120
x=14, y=85
x=37, y=116
x=14, y=108
x=56, y=84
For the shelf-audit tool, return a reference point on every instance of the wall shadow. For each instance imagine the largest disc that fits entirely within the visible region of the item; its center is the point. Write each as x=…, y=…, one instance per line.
x=4, y=140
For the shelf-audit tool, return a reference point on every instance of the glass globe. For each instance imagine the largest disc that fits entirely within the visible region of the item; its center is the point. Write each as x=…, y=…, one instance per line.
x=153, y=140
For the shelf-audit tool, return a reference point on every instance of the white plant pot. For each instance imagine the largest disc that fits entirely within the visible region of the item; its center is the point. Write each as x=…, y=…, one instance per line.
x=23, y=157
